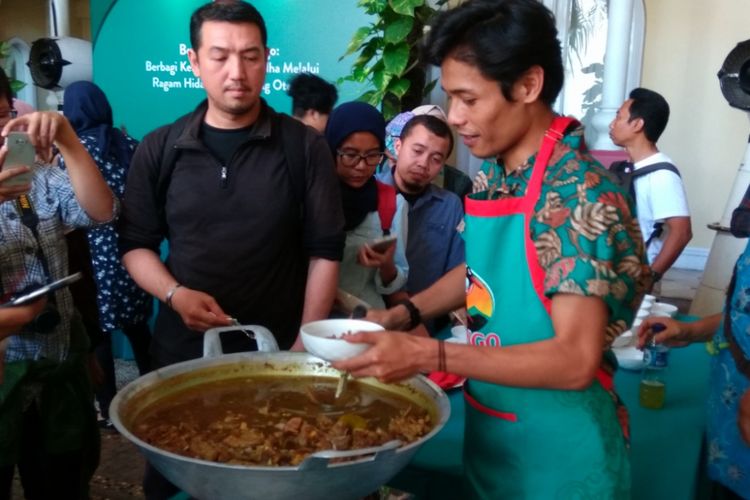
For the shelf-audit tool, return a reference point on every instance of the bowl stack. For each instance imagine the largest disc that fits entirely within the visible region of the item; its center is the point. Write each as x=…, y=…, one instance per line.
x=624, y=348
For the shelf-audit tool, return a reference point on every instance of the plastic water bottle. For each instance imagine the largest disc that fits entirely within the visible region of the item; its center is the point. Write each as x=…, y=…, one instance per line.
x=656, y=359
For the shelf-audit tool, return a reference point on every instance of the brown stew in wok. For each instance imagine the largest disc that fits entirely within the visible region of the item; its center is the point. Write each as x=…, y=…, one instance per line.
x=274, y=421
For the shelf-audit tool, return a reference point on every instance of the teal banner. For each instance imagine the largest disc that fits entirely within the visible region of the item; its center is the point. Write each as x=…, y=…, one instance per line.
x=140, y=54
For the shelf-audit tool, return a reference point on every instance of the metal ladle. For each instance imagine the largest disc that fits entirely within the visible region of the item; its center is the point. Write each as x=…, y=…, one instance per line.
x=357, y=313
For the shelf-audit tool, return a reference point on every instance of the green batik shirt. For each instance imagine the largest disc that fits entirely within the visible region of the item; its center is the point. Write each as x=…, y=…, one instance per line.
x=585, y=229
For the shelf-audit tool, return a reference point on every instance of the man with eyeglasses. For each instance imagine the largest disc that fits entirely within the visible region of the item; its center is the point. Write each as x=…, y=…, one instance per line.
x=47, y=418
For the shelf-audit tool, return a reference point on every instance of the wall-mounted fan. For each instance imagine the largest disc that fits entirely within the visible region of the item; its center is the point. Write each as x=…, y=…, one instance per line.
x=55, y=63
x=734, y=78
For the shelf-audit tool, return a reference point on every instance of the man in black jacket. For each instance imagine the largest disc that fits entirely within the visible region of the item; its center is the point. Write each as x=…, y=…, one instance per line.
x=242, y=242
x=238, y=246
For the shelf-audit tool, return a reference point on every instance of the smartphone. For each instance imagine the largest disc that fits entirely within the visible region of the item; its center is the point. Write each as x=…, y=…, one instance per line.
x=37, y=293
x=380, y=245
x=20, y=153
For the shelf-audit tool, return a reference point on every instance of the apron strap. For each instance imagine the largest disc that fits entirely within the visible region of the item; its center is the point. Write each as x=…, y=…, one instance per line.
x=552, y=136
x=605, y=379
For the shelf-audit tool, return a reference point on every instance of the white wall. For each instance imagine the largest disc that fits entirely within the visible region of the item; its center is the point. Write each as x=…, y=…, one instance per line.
x=686, y=44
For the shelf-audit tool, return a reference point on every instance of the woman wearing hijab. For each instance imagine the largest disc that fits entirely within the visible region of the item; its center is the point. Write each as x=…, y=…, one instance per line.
x=122, y=305
x=356, y=136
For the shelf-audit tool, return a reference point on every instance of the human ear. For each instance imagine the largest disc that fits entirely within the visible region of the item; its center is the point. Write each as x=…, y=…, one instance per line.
x=528, y=87
x=193, y=58
x=637, y=124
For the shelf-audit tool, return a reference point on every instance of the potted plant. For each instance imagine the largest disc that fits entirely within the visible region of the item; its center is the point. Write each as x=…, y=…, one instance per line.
x=388, y=53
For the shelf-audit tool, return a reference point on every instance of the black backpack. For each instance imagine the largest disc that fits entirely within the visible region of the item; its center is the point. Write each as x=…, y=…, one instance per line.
x=626, y=175
x=290, y=132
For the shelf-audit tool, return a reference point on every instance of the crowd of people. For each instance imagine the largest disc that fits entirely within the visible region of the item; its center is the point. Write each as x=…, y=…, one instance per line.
x=275, y=220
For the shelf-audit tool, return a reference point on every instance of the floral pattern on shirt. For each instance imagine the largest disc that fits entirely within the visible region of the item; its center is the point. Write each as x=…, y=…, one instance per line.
x=584, y=228
x=121, y=302
x=728, y=455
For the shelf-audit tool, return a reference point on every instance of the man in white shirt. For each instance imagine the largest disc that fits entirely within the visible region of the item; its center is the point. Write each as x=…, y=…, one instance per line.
x=659, y=195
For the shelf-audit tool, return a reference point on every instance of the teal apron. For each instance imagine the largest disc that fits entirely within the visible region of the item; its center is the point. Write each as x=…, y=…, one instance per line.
x=519, y=442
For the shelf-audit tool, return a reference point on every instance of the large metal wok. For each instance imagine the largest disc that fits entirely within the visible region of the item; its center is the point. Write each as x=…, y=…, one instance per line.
x=316, y=477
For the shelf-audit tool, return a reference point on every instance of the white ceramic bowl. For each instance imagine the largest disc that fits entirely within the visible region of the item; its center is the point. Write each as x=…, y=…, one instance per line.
x=629, y=358
x=323, y=338
x=460, y=334
x=624, y=340
x=642, y=314
x=663, y=309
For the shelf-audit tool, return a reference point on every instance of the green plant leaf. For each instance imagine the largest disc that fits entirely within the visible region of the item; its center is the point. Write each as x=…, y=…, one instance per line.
x=381, y=78
x=398, y=30
x=373, y=6
x=399, y=87
x=357, y=40
x=396, y=57
x=366, y=96
x=368, y=51
x=16, y=85
x=406, y=7
x=428, y=88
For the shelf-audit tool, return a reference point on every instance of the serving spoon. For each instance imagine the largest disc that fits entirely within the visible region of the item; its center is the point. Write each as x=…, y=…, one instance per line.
x=358, y=312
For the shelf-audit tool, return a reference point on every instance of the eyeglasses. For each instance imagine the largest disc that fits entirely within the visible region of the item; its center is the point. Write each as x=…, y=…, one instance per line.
x=351, y=160
x=7, y=114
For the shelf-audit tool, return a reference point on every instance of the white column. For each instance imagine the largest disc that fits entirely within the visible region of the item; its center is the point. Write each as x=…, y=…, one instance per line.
x=620, y=20
x=59, y=18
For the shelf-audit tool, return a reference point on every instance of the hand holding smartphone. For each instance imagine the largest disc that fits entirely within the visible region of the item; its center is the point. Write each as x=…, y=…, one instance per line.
x=21, y=153
x=380, y=245
x=30, y=296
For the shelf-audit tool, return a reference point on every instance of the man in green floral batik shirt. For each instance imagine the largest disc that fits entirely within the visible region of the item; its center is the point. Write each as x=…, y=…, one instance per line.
x=555, y=270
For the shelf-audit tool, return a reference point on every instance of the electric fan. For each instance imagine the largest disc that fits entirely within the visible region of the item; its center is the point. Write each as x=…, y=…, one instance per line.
x=55, y=63
x=734, y=78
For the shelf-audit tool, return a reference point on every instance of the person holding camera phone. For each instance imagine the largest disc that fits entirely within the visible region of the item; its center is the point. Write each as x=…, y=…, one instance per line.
x=47, y=420
x=374, y=263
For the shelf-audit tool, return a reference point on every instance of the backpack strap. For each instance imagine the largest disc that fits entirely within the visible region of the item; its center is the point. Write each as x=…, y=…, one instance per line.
x=662, y=165
x=292, y=135
x=169, y=155
x=386, y=206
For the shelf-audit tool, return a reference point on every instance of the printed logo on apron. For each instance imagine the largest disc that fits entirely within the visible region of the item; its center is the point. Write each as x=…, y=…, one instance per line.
x=480, y=304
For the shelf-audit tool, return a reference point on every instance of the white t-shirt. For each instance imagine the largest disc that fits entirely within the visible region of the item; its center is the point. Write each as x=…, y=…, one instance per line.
x=659, y=196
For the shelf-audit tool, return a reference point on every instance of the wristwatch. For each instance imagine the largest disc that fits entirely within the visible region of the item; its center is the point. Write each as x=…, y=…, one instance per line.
x=415, y=317
x=655, y=276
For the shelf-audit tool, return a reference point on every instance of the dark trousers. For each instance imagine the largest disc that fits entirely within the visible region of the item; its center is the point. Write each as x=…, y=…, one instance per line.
x=43, y=477
x=139, y=337
x=155, y=485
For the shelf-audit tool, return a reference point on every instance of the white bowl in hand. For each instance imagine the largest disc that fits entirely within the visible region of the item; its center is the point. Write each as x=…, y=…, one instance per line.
x=629, y=358
x=323, y=338
x=625, y=339
x=664, y=309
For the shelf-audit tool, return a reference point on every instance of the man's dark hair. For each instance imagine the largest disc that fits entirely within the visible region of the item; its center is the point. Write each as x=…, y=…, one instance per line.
x=652, y=108
x=231, y=11
x=5, y=91
x=502, y=39
x=309, y=91
x=431, y=123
